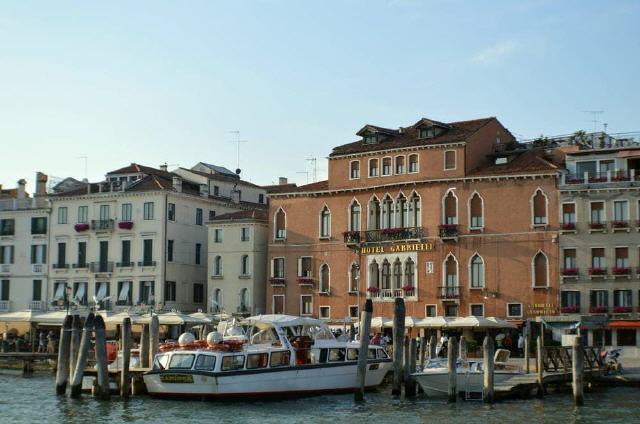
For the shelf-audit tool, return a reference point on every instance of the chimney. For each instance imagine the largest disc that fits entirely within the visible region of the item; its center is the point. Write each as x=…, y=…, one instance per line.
x=41, y=184
x=164, y=167
x=21, y=188
x=177, y=184
x=283, y=181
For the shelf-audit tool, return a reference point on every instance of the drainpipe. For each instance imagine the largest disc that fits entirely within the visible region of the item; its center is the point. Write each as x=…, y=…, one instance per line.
x=163, y=272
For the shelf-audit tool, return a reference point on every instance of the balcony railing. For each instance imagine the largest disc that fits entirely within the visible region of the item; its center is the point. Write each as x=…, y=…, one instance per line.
x=393, y=234
x=449, y=292
x=598, y=225
x=5, y=268
x=101, y=267
x=60, y=266
x=568, y=226
x=277, y=281
x=621, y=270
x=37, y=268
x=598, y=309
x=147, y=263
x=620, y=225
x=125, y=264
x=5, y=305
x=570, y=309
x=305, y=281
x=102, y=224
x=36, y=305
x=351, y=237
x=622, y=309
x=597, y=271
x=82, y=265
x=390, y=294
x=449, y=231
x=569, y=272
x=600, y=177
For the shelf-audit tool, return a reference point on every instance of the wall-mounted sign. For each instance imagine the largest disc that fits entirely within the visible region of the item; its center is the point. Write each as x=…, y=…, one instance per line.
x=396, y=248
x=542, y=309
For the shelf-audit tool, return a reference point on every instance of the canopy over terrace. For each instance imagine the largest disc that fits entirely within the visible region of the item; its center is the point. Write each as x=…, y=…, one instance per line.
x=20, y=316
x=473, y=322
x=172, y=318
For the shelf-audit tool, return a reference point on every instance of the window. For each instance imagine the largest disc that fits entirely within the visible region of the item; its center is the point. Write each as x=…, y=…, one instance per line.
x=539, y=208
x=449, y=160
x=126, y=253
x=124, y=292
x=622, y=299
x=280, y=359
x=39, y=225
x=4, y=290
x=325, y=312
x=413, y=163
x=397, y=274
x=597, y=213
x=626, y=337
x=181, y=361
x=569, y=260
x=217, y=301
x=387, y=212
x=427, y=132
x=198, y=293
x=414, y=211
x=409, y=273
x=598, y=260
x=620, y=212
x=80, y=293
x=399, y=165
x=148, y=210
x=600, y=299
x=568, y=213
x=373, y=167
x=62, y=215
x=36, y=292
x=606, y=166
x=450, y=310
x=102, y=290
x=306, y=305
x=212, y=215
x=244, y=234
x=386, y=167
x=586, y=166
x=278, y=307
x=62, y=255
x=82, y=254
x=476, y=310
x=325, y=223
x=217, y=235
x=570, y=299
x=477, y=272
x=126, y=212
x=83, y=214
x=59, y=288
x=147, y=252
x=277, y=268
x=169, y=250
x=475, y=211
x=205, y=362
x=38, y=254
x=430, y=311
x=7, y=227
x=257, y=360
x=280, y=225
x=217, y=266
x=260, y=198
x=540, y=270
x=198, y=216
x=324, y=279
x=353, y=311
x=386, y=275
x=451, y=272
x=354, y=276
x=6, y=255
x=354, y=169
x=370, y=139
x=171, y=211
x=354, y=216
x=514, y=310
x=147, y=292
x=374, y=221
x=198, y=253
x=216, y=190
x=244, y=265
x=169, y=291
x=622, y=259
x=104, y=212
x=450, y=209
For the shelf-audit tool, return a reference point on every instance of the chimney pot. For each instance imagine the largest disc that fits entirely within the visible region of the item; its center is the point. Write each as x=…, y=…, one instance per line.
x=21, y=188
x=282, y=180
x=164, y=167
x=41, y=184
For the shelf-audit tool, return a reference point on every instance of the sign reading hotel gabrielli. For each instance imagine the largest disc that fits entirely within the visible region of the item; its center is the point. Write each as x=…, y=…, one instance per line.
x=396, y=248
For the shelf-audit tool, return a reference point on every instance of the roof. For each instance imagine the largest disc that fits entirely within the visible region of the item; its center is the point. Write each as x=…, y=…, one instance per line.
x=135, y=168
x=409, y=136
x=259, y=215
x=529, y=161
x=602, y=151
x=10, y=193
x=281, y=188
x=220, y=177
x=163, y=181
x=293, y=188
x=220, y=169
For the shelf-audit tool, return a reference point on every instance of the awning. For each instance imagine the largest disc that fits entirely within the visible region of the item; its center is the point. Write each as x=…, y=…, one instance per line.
x=594, y=323
x=625, y=324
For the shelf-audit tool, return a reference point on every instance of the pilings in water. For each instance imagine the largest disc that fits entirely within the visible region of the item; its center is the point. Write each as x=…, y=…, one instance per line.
x=432, y=346
x=62, y=369
x=83, y=353
x=488, y=351
x=125, y=378
x=406, y=361
x=363, y=352
x=101, y=359
x=577, y=369
x=423, y=351
x=463, y=348
x=76, y=332
x=398, y=337
x=451, y=367
x=154, y=337
x=144, y=346
x=540, y=366
x=410, y=382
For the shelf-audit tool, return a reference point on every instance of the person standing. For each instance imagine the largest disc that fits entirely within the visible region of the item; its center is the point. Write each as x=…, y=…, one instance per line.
x=42, y=343
x=521, y=345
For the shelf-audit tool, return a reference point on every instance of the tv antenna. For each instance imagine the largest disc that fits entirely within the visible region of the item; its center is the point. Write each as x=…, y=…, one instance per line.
x=306, y=173
x=595, y=119
x=238, y=141
x=314, y=162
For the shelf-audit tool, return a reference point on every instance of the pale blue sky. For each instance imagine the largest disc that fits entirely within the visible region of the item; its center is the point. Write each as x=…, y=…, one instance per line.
x=155, y=81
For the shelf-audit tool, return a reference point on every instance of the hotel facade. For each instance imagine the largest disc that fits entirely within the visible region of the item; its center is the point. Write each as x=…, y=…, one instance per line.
x=452, y=217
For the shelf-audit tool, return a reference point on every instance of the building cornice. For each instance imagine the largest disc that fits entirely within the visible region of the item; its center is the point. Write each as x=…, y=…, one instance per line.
x=399, y=149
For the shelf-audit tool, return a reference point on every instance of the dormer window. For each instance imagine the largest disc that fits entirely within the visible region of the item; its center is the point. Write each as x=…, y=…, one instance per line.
x=370, y=139
x=427, y=132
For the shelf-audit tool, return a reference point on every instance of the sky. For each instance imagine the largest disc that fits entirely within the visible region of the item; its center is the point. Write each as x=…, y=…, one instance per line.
x=157, y=82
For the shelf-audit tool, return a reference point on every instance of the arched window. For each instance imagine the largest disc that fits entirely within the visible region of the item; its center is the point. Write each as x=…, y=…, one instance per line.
x=244, y=300
x=217, y=266
x=413, y=163
x=402, y=218
x=476, y=272
x=414, y=210
x=354, y=169
x=373, y=275
x=539, y=205
x=244, y=265
x=324, y=279
x=325, y=222
x=450, y=209
x=451, y=271
x=354, y=275
x=397, y=274
x=476, y=219
x=354, y=216
x=540, y=270
x=217, y=301
x=409, y=273
x=374, y=214
x=386, y=275
x=280, y=224
x=387, y=212
x=399, y=164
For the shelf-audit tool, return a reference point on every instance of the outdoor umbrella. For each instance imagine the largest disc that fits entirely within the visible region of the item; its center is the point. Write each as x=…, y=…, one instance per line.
x=206, y=318
x=380, y=322
x=409, y=322
x=120, y=316
x=472, y=322
x=433, y=322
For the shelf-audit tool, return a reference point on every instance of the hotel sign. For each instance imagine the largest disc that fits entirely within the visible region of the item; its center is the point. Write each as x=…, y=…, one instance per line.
x=397, y=248
x=542, y=309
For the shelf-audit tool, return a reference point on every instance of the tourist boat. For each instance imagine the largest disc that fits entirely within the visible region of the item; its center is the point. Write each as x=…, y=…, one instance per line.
x=283, y=356
x=434, y=377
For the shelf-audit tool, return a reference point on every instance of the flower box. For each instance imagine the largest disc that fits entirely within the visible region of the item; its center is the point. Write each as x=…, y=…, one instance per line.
x=388, y=231
x=597, y=271
x=81, y=227
x=597, y=225
x=408, y=288
x=125, y=225
x=570, y=271
x=305, y=280
x=574, y=180
x=373, y=290
x=600, y=179
x=449, y=226
x=598, y=309
x=277, y=281
x=569, y=309
x=620, y=224
x=621, y=271
x=568, y=226
x=621, y=309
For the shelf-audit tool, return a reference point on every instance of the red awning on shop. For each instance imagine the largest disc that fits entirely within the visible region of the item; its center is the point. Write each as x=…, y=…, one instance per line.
x=624, y=324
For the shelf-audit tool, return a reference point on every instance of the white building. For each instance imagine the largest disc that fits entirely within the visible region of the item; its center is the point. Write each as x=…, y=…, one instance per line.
x=138, y=238
x=237, y=262
x=24, y=229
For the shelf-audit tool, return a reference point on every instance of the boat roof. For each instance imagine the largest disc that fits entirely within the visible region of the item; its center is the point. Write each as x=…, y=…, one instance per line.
x=283, y=320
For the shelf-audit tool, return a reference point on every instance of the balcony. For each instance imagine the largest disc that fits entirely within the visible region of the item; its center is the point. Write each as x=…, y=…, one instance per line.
x=147, y=263
x=36, y=305
x=277, y=281
x=620, y=225
x=597, y=272
x=390, y=295
x=61, y=266
x=305, y=281
x=621, y=272
x=351, y=237
x=598, y=226
x=570, y=309
x=449, y=231
x=101, y=267
x=5, y=306
x=449, y=293
x=37, y=268
x=622, y=309
x=102, y=224
x=5, y=268
x=598, y=310
x=393, y=234
x=125, y=264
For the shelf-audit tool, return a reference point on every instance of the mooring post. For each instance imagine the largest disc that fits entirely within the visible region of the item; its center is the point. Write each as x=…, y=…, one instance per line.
x=540, y=365
x=144, y=346
x=76, y=332
x=463, y=348
x=101, y=359
x=62, y=368
x=488, y=352
x=527, y=345
x=125, y=378
x=451, y=366
x=577, y=365
x=432, y=347
x=398, y=338
x=423, y=351
x=154, y=338
x=365, y=328
x=83, y=353
x=407, y=355
x=410, y=382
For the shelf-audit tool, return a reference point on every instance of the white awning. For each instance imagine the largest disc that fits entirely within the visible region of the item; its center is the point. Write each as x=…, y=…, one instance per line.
x=102, y=290
x=80, y=291
x=124, y=291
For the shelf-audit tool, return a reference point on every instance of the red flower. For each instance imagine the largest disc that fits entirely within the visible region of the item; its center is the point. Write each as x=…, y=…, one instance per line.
x=621, y=309
x=125, y=225
x=81, y=227
x=373, y=290
x=569, y=309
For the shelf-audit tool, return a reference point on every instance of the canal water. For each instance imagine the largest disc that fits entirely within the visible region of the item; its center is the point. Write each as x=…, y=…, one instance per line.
x=33, y=401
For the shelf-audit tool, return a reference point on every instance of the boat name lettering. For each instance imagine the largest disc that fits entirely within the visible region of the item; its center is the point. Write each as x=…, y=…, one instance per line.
x=176, y=378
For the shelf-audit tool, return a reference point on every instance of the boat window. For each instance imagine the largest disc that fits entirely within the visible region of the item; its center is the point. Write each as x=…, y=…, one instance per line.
x=323, y=356
x=181, y=361
x=280, y=359
x=381, y=354
x=161, y=362
x=232, y=362
x=257, y=360
x=336, y=355
x=205, y=362
x=352, y=354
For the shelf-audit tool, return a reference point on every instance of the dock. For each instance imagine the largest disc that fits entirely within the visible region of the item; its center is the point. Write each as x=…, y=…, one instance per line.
x=27, y=359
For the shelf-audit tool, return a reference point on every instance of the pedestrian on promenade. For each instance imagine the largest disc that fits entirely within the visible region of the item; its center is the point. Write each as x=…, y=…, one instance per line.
x=521, y=345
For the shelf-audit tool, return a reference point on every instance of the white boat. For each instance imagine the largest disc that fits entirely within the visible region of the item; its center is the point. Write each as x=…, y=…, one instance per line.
x=434, y=378
x=283, y=356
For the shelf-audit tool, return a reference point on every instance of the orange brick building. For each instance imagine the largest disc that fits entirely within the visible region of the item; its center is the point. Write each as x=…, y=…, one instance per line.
x=452, y=217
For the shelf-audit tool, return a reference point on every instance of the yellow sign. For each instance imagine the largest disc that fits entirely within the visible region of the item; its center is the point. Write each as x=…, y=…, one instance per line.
x=542, y=309
x=176, y=378
x=397, y=248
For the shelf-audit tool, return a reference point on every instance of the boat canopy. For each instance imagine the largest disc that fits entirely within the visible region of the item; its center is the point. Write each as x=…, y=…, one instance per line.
x=282, y=321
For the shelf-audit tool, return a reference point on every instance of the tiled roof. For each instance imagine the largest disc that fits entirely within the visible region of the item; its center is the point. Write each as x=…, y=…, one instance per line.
x=408, y=137
x=135, y=168
x=251, y=214
x=221, y=177
x=530, y=161
x=280, y=188
x=292, y=188
x=10, y=193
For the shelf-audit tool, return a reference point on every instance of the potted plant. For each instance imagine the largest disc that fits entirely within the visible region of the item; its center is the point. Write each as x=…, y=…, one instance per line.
x=621, y=309
x=596, y=225
x=619, y=224
x=81, y=227
x=569, y=309
x=125, y=225
x=373, y=290
x=598, y=309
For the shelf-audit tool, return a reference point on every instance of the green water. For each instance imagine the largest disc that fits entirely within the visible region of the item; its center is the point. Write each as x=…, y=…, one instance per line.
x=33, y=401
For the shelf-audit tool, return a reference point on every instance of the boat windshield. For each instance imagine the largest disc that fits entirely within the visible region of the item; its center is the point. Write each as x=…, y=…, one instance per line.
x=160, y=362
x=266, y=335
x=181, y=361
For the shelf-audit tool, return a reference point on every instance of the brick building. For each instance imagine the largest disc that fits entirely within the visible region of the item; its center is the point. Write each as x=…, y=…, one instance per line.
x=452, y=217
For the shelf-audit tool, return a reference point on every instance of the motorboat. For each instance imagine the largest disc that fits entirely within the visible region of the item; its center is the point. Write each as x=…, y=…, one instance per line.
x=282, y=355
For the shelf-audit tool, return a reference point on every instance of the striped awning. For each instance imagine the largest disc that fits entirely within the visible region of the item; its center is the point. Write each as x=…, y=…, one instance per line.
x=630, y=324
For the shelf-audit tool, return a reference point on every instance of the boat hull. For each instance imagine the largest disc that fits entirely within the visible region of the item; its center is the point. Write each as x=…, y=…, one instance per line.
x=435, y=382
